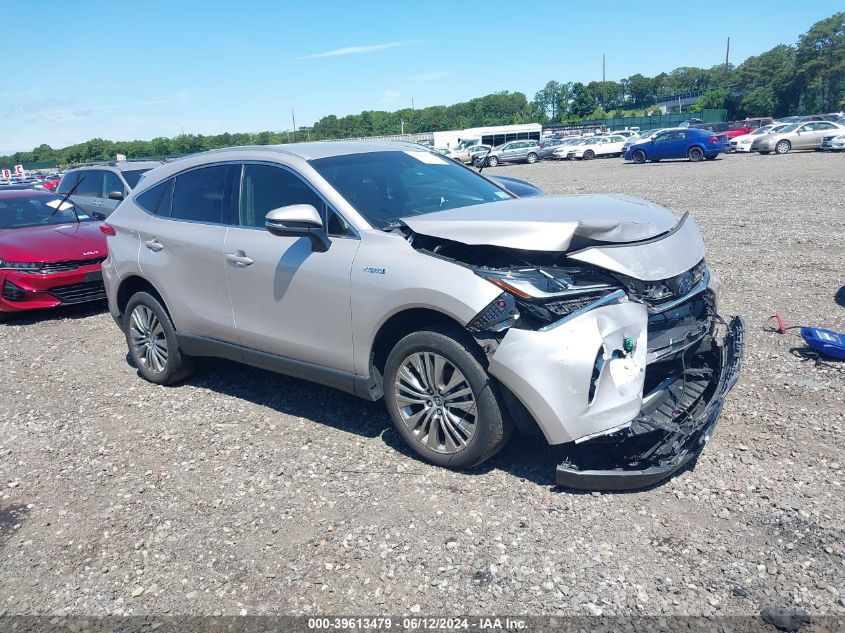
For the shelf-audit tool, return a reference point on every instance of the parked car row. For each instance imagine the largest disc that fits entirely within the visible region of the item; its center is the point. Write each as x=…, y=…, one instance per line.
x=390, y=272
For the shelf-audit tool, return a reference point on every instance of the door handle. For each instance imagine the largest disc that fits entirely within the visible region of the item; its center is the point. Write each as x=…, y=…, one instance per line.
x=154, y=245
x=239, y=258
x=97, y=203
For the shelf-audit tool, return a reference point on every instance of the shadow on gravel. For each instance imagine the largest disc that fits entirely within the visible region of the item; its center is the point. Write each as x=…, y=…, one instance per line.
x=60, y=313
x=526, y=457
x=839, y=297
x=10, y=516
x=292, y=396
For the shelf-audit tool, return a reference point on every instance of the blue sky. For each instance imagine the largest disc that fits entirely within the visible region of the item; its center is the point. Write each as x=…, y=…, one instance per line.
x=126, y=70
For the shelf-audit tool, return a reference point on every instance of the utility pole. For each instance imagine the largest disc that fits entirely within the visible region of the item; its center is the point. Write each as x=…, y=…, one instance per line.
x=727, y=55
x=402, y=123
x=293, y=118
x=602, y=67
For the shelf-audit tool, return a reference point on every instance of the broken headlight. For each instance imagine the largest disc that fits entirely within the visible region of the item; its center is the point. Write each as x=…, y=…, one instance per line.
x=499, y=315
x=549, y=293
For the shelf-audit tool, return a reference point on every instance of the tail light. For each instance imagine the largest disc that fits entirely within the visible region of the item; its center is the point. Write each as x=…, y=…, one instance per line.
x=715, y=139
x=108, y=230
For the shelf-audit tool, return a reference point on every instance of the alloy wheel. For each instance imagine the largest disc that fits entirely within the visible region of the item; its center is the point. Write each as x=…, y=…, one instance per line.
x=149, y=343
x=436, y=402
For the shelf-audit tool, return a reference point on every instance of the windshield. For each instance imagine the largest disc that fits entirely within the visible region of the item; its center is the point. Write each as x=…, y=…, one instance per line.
x=132, y=177
x=387, y=186
x=24, y=211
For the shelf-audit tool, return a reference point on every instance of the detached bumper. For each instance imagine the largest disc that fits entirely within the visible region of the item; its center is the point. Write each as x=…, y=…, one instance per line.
x=658, y=445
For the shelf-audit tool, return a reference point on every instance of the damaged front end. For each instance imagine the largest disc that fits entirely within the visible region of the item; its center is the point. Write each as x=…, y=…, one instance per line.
x=630, y=374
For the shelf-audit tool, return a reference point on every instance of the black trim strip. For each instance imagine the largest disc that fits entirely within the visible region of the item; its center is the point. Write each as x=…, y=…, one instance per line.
x=335, y=378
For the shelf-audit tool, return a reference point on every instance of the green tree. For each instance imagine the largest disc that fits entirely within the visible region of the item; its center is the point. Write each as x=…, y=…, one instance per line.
x=583, y=102
x=759, y=102
x=820, y=63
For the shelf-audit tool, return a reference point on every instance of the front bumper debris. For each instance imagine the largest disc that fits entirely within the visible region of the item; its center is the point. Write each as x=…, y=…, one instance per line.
x=659, y=443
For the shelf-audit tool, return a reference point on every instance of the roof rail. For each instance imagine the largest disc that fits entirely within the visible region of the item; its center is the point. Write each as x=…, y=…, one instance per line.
x=114, y=163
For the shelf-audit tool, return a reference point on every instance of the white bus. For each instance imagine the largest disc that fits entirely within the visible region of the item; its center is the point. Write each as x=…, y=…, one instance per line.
x=492, y=135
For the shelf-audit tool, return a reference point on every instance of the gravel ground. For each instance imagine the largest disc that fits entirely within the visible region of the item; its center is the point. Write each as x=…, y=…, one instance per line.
x=243, y=491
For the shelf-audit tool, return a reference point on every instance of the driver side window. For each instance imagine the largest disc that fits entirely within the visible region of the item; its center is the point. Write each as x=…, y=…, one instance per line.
x=265, y=187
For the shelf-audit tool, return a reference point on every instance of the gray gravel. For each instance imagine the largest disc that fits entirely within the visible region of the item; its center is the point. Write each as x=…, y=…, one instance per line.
x=246, y=492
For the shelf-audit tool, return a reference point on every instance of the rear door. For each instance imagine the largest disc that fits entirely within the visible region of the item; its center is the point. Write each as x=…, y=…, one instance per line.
x=182, y=250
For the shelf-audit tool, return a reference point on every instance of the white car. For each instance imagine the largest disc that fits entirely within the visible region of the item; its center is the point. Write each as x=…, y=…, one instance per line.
x=625, y=133
x=598, y=146
x=743, y=143
x=562, y=151
x=833, y=143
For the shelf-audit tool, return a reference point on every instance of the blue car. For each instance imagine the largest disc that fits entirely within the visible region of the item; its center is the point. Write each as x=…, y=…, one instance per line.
x=690, y=143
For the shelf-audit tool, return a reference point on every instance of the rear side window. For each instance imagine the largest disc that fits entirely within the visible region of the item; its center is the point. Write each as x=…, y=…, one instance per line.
x=91, y=183
x=199, y=195
x=132, y=177
x=149, y=200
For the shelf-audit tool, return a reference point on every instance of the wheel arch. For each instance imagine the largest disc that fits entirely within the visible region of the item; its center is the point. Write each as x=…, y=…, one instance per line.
x=134, y=284
x=392, y=330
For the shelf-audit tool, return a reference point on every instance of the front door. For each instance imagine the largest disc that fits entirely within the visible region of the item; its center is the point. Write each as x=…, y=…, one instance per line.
x=287, y=299
x=89, y=190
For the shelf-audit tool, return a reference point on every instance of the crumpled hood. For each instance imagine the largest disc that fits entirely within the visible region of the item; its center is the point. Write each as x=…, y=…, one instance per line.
x=548, y=223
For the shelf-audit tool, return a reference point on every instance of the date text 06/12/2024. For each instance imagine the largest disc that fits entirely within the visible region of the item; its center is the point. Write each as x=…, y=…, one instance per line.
x=417, y=623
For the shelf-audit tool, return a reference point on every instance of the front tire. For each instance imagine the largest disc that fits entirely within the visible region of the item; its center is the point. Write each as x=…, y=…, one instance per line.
x=531, y=158
x=639, y=157
x=695, y=154
x=492, y=161
x=151, y=339
x=441, y=399
x=783, y=147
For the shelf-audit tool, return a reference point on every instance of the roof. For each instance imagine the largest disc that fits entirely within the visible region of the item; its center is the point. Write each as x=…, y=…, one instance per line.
x=129, y=165
x=324, y=149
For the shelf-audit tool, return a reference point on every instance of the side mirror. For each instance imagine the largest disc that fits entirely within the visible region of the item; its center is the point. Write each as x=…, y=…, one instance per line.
x=98, y=215
x=298, y=220
x=115, y=195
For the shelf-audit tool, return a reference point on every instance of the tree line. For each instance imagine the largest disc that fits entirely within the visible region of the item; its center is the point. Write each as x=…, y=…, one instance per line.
x=806, y=77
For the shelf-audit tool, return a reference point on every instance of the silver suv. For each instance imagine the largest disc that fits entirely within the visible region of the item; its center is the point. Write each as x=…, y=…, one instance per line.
x=99, y=187
x=527, y=151
x=388, y=271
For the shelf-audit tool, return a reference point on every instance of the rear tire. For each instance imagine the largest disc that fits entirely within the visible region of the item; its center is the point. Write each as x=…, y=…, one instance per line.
x=492, y=161
x=589, y=155
x=695, y=154
x=783, y=147
x=639, y=157
x=425, y=372
x=151, y=339
x=531, y=158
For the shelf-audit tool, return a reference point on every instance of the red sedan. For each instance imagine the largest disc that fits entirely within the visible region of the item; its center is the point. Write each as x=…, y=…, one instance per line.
x=50, y=252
